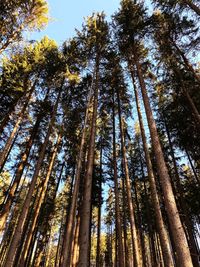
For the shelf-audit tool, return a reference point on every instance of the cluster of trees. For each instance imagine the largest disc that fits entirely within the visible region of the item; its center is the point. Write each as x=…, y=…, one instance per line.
x=100, y=148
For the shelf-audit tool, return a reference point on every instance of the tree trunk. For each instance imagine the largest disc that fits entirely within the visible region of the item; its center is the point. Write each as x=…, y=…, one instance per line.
x=120, y=249
x=65, y=255
x=182, y=248
x=139, y=223
x=193, y=107
x=185, y=60
x=39, y=204
x=98, y=250
x=192, y=167
x=10, y=149
x=126, y=250
x=195, y=8
x=75, y=250
x=154, y=195
x=13, y=188
x=8, y=144
x=136, y=249
x=86, y=208
x=180, y=192
x=24, y=212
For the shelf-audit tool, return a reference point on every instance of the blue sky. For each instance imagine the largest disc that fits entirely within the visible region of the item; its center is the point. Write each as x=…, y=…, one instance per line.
x=68, y=15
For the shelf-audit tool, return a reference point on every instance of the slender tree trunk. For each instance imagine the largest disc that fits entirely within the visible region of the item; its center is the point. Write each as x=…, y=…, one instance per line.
x=154, y=195
x=65, y=255
x=98, y=250
x=11, y=38
x=85, y=223
x=75, y=253
x=39, y=204
x=120, y=249
x=192, y=166
x=194, y=7
x=13, y=188
x=10, y=149
x=181, y=244
x=193, y=107
x=126, y=250
x=8, y=144
x=24, y=212
x=21, y=98
x=185, y=60
x=139, y=222
x=136, y=249
x=180, y=191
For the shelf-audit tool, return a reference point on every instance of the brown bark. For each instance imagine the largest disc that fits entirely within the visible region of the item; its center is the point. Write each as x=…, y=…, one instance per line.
x=181, y=244
x=8, y=144
x=139, y=223
x=165, y=245
x=86, y=208
x=192, y=166
x=24, y=212
x=98, y=250
x=10, y=149
x=65, y=255
x=39, y=204
x=193, y=107
x=119, y=243
x=14, y=186
x=136, y=249
x=15, y=103
x=126, y=250
x=180, y=193
x=75, y=253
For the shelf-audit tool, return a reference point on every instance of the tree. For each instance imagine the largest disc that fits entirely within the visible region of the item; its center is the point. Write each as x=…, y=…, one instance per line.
x=17, y=16
x=133, y=15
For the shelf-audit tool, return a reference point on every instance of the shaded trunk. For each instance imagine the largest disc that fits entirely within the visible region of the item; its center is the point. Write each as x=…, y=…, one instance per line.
x=19, y=172
x=136, y=249
x=39, y=204
x=65, y=255
x=194, y=7
x=11, y=147
x=181, y=244
x=180, y=192
x=119, y=243
x=24, y=212
x=139, y=222
x=192, y=166
x=75, y=250
x=126, y=250
x=8, y=144
x=154, y=195
x=98, y=250
x=86, y=208
x=185, y=60
x=193, y=107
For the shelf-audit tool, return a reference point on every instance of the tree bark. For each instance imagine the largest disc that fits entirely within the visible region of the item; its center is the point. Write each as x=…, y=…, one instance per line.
x=165, y=245
x=14, y=186
x=39, y=204
x=136, y=249
x=181, y=244
x=98, y=250
x=24, y=212
x=86, y=208
x=8, y=144
x=120, y=248
x=195, y=8
x=180, y=192
x=65, y=255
